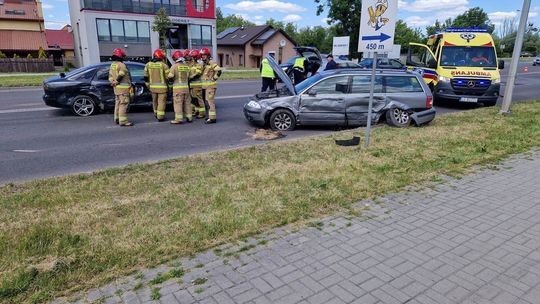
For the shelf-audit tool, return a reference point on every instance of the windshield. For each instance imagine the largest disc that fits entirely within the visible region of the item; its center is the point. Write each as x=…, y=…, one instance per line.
x=307, y=83
x=476, y=56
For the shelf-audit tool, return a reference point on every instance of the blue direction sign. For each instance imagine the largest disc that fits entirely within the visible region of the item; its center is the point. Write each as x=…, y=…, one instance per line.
x=382, y=37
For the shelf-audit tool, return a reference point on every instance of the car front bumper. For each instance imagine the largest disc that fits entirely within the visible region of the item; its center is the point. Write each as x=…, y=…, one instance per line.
x=255, y=116
x=423, y=117
x=444, y=91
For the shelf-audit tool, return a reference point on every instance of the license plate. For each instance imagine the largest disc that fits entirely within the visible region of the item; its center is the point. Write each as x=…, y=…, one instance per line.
x=466, y=99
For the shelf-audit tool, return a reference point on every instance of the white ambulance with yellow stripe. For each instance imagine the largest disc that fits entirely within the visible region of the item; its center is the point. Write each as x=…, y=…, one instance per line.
x=460, y=65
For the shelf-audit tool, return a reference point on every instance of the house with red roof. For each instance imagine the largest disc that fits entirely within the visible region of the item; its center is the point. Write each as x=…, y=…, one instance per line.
x=60, y=46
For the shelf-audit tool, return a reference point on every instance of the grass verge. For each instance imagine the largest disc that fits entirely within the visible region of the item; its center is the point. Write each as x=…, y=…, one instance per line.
x=64, y=234
x=23, y=80
x=240, y=75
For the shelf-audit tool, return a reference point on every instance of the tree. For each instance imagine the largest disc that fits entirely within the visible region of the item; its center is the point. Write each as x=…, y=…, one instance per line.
x=474, y=17
x=223, y=23
x=29, y=56
x=161, y=24
x=288, y=28
x=345, y=15
x=404, y=34
x=2, y=55
x=438, y=26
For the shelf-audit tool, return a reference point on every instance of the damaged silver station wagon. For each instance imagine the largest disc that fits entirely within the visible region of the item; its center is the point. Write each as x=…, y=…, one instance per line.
x=341, y=98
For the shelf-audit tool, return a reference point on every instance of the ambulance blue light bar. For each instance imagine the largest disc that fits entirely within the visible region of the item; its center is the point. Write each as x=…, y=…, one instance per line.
x=466, y=30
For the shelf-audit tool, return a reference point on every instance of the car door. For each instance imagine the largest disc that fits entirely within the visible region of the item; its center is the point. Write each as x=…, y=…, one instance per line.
x=142, y=95
x=102, y=87
x=357, y=101
x=421, y=59
x=324, y=103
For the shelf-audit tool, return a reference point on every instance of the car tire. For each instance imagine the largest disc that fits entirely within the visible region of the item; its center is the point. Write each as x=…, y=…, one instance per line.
x=398, y=118
x=282, y=120
x=84, y=105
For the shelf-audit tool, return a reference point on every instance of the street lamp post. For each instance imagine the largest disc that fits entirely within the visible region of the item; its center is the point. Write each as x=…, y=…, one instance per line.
x=509, y=90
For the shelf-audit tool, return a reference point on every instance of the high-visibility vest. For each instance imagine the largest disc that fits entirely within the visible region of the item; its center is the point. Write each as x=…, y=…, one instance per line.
x=156, y=72
x=120, y=69
x=299, y=64
x=180, y=72
x=267, y=71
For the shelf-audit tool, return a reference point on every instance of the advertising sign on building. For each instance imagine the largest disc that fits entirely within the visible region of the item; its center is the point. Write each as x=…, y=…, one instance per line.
x=340, y=46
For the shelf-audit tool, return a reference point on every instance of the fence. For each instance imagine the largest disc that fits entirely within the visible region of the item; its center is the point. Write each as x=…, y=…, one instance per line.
x=25, y=65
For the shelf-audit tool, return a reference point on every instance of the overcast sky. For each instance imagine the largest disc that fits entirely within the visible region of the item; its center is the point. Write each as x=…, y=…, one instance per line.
x=417, y=13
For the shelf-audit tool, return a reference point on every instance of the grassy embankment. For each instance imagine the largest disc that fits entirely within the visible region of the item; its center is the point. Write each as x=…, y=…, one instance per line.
x=69, y=233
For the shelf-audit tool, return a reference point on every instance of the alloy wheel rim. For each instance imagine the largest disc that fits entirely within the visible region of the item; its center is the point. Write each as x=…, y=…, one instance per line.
x=83, y=107
x=282, y=121
x=401, y=116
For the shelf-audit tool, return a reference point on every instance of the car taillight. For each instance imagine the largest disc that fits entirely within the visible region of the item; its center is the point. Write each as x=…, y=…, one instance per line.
x=429, y=102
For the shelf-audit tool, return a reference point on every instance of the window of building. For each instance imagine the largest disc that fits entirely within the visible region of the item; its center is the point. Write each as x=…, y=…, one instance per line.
x=240, y=60
x=201, y=36
x=123, y=30
x=226, y=59
x=15, y=12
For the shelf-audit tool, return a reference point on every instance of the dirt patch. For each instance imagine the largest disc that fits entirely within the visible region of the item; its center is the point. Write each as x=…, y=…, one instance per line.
x=265, y=134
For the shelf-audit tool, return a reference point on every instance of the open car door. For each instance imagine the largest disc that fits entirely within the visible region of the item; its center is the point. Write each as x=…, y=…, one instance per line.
x=421, y=59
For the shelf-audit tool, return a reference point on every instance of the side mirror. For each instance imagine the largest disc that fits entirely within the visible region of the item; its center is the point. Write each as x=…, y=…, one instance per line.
x=62, y=75
x=312, y=93
x=501, y=64
x=432, y=64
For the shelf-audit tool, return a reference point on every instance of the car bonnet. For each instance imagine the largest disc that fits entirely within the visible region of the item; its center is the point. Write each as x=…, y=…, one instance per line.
x=279, y=72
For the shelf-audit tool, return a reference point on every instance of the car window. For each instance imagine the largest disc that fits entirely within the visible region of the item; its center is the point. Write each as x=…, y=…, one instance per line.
x=334, y=85
x=402, y=84
x=136, y=71
x=83, y=75
x=103, y=74
x=362, y=84
x=396, y=64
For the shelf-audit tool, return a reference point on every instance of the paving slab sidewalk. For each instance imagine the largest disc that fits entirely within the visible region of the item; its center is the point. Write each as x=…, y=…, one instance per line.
x=469, y=240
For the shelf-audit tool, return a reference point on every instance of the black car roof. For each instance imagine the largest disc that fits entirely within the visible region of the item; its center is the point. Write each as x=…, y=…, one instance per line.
x=106, y=63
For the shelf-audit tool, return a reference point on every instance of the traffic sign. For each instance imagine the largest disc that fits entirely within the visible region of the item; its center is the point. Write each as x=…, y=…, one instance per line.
x=377, y=25
x=340, y=46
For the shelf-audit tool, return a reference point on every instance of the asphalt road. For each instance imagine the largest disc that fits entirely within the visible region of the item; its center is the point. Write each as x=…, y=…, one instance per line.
x=37, y=141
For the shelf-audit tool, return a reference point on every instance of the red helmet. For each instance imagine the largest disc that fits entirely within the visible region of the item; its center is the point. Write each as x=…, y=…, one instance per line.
x=186, y=53
x=177, y=54
x=206, y=51
x=159, y=54
x=118, y=52
x=195, y=54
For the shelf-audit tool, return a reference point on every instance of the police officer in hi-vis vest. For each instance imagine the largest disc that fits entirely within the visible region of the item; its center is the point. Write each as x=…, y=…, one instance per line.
x=267, y=75
x=155, y=75
x=299, y=68
x=210, y=75
x=180, y=73
x=121, y=82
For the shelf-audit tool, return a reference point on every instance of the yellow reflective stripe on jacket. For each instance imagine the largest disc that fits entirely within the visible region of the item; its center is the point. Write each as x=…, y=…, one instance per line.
x=159, y=66
x=209, y=83
x=158, y=86
x=123, y=86
x=180, y=86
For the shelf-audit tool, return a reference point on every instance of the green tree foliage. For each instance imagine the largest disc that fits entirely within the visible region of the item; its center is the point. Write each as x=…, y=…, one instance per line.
x=16, y=56
x=223, y=23
x=161, y=23
x=2, y=55
x=29, y=56
x=438, y=26
x=345, y=15
x=317, y=36
x=474, y=17
x=288, y=28
x=404, y=34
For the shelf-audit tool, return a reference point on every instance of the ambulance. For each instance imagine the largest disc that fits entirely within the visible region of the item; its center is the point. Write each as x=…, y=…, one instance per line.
x=459, y=65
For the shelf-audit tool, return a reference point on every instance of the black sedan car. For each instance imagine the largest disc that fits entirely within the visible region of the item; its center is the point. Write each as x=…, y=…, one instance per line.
x=87, y=90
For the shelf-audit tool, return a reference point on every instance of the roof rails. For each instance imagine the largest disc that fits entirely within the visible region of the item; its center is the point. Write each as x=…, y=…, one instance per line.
x=466, y=30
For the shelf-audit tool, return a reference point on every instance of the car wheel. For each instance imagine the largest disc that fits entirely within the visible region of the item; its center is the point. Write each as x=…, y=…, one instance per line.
x=282, y=120
x=84, y=106
x=398, y=118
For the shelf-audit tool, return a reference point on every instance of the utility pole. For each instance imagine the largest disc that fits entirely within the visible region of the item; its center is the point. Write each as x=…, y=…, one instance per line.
x=509, y=90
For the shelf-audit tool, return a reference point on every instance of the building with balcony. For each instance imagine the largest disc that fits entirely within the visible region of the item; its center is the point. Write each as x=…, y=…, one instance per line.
x=100, y=26
x=22, y=28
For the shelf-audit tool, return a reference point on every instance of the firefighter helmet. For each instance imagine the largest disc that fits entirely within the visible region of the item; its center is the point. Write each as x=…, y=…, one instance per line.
x=159, y=54
x=118, y=52
x=206, y=51
x=195, y=54
x=178, y=54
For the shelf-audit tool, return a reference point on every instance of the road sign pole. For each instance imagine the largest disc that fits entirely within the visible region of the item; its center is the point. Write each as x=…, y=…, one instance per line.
x=370, y=106
x=510, y=81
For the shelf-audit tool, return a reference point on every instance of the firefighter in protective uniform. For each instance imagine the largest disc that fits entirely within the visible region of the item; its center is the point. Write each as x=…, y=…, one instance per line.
x=121, y=82
x=195, y=84
x=155, y=75
x=180, y=73
x=210, y=75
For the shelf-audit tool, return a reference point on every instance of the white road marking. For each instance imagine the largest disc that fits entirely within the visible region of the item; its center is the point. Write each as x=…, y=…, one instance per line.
x=27, y=110
x=26, y=151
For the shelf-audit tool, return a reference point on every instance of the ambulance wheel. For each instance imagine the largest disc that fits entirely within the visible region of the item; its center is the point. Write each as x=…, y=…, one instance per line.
x=282, y=120
x=398, y=118
x=84, y=105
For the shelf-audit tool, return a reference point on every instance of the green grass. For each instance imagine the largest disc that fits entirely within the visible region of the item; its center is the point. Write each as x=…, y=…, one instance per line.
x=228, y=75
x=23, y=80
x=64, y=234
